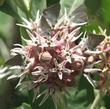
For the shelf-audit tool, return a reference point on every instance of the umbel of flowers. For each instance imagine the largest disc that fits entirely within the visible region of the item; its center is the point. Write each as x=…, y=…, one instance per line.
x=53, y=55
x=100, y=60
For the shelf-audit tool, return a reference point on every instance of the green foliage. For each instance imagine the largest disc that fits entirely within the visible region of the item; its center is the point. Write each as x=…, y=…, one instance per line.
x=5, y=22
x=41, y=5
x=24, y=106
x=23, y=8
x=106, y=10
x=10, y=8
x=81, y=96
x=70, y=5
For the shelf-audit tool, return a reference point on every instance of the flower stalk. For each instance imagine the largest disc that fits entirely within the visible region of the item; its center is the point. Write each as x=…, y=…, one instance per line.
x=97, y=100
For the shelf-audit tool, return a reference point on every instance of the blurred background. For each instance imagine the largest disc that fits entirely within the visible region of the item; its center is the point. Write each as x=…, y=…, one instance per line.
x=99, y=15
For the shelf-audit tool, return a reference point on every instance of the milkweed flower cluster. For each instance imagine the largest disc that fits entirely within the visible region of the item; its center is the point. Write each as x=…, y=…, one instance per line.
x=102, y=62
x=53, y=57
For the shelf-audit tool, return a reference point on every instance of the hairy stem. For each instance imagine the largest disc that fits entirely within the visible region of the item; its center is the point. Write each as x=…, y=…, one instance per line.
x=97, y=100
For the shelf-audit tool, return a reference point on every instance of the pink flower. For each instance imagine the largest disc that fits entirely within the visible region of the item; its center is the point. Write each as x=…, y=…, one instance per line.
x=51, y=57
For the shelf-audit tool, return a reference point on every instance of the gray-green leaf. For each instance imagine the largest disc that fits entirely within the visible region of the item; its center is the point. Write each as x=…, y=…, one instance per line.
x=70, y=5
x=24, y=106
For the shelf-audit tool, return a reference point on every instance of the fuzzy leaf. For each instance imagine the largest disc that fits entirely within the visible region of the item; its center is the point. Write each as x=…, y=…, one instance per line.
x=27, y=4
x=24, y=34
x=24, y=106
x=75, y=9
x=23, y=7
x=82, y=96
x=10, y=8
x=4, y=52
x=70, y=5
x=37, y=5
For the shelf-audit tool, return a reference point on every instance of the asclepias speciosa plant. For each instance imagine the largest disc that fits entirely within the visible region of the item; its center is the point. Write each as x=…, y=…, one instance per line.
x=56, y=51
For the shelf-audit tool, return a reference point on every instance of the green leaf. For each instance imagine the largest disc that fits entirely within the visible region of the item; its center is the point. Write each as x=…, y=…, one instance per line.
x=24, y=7
x=103, y=107
x=81, y=96
x=24, y=35
x=70, y=5
x=37, y=5
x=10, y=8
x=17, y=8
x=4, y=52
x=75, y=9
x=24, y=106
x=106, y=10
x=27, y=4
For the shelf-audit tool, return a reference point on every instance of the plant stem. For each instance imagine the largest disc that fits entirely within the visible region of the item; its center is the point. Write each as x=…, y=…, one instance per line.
x=97, y=100
x=62, y=104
